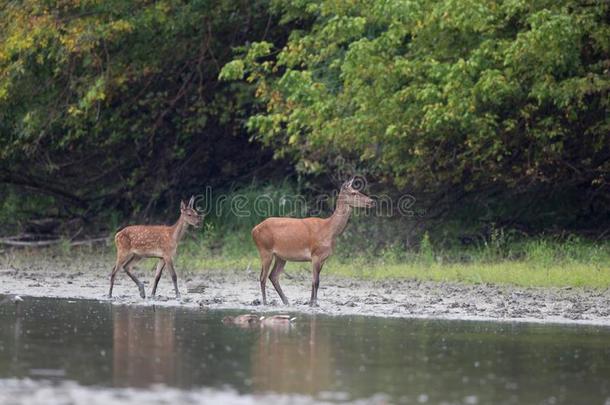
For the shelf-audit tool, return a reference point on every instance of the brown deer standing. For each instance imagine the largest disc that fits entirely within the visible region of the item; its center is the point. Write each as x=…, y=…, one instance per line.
x=303, y=240
x=137, y=242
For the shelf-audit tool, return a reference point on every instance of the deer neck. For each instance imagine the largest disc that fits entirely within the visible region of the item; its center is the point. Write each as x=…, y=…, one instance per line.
x=178, y=229
x=338, y=220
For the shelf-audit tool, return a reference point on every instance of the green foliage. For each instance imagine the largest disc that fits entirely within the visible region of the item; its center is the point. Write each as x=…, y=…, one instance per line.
x=16, y=209
x=450, y=97
x=115, y=106
x=426, y=253
x=493, y=112
x=240, y=209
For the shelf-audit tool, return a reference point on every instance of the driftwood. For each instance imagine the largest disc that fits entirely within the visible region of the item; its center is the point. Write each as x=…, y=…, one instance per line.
x=18, y=242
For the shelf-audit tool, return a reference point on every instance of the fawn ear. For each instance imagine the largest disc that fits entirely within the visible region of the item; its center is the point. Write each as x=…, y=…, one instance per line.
x=191, y=201
x=348, y=184
x=182, y=205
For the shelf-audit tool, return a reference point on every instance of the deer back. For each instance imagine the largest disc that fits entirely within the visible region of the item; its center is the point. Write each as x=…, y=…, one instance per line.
x=154, y=240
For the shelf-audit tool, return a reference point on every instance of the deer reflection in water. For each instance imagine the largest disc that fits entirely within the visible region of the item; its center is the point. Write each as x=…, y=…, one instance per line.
x=287, y=356
x=143, y=347
x=283, y=364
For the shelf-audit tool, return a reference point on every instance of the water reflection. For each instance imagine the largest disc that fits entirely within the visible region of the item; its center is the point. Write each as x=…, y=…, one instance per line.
x=290, y=358
x=18, y=331
x=143, y=347
x=101, y=344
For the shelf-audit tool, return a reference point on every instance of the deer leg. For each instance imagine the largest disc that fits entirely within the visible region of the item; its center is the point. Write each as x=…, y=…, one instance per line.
x=266, y=259
x=278, y=267
x=315, y=283
x=172, y=272
x=128, y=270
x=112, y=276
x=120, y=262
x=158, y=272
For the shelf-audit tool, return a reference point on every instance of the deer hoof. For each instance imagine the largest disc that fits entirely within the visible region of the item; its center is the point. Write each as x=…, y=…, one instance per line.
x=314, y=304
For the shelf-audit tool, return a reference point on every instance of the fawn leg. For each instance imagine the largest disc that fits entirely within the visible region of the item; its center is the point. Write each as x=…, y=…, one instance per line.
x=266, y=258
x=128, y=270
x=112, y=276
x=278, y=267
x=120, y=262
x=158, y=272
x=172, y=271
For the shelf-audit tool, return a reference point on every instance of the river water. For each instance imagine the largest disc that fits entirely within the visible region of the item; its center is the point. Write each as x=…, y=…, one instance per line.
x=100, y=347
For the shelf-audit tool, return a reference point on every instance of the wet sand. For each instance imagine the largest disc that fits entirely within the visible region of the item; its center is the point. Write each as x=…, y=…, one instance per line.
x=239, y=289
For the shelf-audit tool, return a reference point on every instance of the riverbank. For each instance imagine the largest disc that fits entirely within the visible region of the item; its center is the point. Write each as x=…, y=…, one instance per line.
x=86, y=277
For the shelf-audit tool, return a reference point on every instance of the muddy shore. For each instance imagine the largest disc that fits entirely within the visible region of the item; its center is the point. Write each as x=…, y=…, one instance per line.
x=215, y=289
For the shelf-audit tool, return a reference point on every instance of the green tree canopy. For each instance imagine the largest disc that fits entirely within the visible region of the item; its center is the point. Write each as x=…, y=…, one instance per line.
x=460, y=97
x=116, y=104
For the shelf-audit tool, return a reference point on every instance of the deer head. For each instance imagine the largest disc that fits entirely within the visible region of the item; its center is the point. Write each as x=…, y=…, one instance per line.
x=353, y=197
x=190, y=214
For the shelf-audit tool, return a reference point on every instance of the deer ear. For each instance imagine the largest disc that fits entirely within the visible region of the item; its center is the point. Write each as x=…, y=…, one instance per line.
x=348, y=184
x=191, y=201
x=182, y=205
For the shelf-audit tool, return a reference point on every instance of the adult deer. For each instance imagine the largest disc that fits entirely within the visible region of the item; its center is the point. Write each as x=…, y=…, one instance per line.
x=303, y=240
x=137, y=242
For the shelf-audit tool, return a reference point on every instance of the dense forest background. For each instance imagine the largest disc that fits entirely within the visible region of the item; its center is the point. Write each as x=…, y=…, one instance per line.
x=492, y=115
